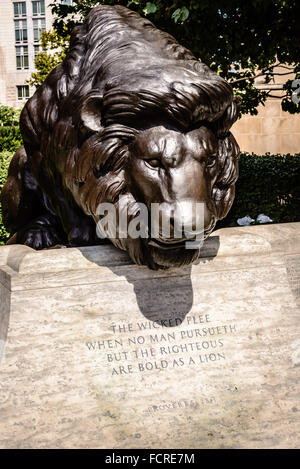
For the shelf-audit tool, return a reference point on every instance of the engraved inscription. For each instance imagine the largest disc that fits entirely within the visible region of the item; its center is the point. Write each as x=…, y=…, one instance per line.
x=164, y=344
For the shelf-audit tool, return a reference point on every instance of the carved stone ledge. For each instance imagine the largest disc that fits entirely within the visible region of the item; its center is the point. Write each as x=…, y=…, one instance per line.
x=100, y=353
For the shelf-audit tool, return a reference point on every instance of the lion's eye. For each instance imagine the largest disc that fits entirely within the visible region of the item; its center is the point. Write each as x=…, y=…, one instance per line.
x=154, y=163
x=210, y=162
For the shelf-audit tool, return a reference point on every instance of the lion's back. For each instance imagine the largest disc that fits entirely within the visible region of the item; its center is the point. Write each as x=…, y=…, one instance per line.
x=108, y=33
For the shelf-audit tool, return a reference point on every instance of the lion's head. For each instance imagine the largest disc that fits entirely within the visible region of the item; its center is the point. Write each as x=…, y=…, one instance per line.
x=153, y=147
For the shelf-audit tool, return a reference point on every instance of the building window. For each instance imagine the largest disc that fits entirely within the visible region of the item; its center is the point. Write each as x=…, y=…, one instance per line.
x=38, y=8
x=23, y=92
x=22, y=57
x=38, y=26
x=19, y=9
x=66, y=2
x=36, y=49
x=21, y=30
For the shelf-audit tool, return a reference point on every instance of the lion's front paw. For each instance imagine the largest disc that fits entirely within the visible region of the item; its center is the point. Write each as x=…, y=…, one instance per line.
x=42, y=237
x=82, y=235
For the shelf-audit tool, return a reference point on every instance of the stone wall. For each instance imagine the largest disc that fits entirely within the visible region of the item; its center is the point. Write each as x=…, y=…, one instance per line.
x=272, y=130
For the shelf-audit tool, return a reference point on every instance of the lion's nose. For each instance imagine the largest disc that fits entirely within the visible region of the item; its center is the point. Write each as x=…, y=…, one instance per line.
x=193, y=217
x=185, y=219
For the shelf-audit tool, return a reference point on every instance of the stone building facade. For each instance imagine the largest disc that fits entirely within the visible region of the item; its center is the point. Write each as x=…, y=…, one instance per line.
x=21, y=23
x=271, y=130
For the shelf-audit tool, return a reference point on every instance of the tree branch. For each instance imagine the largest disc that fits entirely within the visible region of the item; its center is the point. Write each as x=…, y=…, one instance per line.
x=253, y=77
x=274, y=96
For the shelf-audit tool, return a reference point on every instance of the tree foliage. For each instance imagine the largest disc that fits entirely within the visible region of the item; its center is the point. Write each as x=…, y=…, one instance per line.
x=54, y=49
x=236, y=38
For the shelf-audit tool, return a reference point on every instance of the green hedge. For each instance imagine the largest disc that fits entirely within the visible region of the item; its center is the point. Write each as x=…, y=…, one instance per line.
x=268, y=184
x=10, y=135
x=5, y=158
x=10, y=138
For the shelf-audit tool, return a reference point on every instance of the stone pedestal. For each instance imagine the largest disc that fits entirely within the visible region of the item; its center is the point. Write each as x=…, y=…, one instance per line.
x=99, y=353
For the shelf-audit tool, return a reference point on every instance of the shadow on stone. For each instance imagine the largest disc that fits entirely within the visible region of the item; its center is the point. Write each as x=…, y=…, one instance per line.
x=164, y=296
x=165, y=299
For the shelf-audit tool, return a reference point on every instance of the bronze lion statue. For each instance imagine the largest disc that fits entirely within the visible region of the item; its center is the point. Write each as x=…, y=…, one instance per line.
x=131, y=113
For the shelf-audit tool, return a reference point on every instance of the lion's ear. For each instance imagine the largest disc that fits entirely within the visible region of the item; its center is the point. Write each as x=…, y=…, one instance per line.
x=90, y=112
